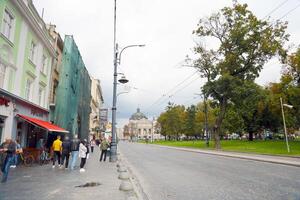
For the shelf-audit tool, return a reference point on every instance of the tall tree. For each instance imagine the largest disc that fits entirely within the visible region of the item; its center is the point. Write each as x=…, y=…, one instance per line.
x=245, y=44
x=190, y=123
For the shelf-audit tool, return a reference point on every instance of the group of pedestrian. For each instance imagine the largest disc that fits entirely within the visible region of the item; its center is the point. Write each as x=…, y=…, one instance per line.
x=76, y=148
x=62, y=151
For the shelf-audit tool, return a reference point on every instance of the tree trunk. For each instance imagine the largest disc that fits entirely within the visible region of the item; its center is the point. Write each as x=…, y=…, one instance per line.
x=250, y=136
x=219, y=120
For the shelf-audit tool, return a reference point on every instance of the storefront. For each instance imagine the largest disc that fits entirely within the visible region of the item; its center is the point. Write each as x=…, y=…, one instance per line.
x=24, y=121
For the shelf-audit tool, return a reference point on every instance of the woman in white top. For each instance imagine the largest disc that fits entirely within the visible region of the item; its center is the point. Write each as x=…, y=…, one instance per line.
x=83, y=153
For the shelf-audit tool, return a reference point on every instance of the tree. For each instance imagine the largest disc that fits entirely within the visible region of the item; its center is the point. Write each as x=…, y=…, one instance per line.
x=172, y=121
x=190, y=123
x=245, y=44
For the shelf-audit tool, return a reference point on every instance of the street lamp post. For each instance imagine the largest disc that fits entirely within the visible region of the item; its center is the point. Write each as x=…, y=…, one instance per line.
x=284, y=125
x=206, y=121
x=117, y=60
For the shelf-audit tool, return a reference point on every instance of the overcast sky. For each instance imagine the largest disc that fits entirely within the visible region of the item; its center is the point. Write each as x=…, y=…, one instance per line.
x=165, y=26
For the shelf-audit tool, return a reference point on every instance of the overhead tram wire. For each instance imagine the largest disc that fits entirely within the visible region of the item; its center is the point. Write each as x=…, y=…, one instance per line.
x=166, y=94
x=287, y=13
x=177, y=91
x=276, y=8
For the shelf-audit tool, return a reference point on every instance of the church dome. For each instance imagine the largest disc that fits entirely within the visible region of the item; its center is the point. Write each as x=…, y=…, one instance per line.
x=138, y=115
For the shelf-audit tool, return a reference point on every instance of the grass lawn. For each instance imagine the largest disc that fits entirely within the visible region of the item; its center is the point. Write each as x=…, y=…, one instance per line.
x=262, y=147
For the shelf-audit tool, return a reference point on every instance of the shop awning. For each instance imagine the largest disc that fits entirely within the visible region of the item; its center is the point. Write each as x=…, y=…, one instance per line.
x=43, y=124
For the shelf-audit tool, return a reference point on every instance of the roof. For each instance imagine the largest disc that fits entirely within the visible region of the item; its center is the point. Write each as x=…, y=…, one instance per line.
x=138, y=115
x=43, y=124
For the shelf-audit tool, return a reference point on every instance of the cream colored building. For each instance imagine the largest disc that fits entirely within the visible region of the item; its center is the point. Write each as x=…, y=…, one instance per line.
x=55, y=70
x=96, y=103
x=140, y=127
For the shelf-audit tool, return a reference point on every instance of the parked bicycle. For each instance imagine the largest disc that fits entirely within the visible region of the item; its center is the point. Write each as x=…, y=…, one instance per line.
x=44, y=158
x=26, y=159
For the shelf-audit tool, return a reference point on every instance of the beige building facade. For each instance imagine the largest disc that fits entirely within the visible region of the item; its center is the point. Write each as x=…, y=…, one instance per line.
x=96, y=103
x=141, y=128
x=58, y=45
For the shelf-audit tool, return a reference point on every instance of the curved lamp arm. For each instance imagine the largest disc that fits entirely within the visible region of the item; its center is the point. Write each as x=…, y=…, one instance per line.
x=134, y=45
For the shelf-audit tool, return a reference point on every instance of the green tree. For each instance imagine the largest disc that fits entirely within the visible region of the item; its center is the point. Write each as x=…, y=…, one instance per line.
x=246, y=43
x=172, y=121
x=190, y=122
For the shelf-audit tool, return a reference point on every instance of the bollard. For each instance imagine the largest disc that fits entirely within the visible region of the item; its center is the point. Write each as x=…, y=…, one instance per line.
x=126, y=186
x=122, y=169
x=124, y=176
x=131, y=198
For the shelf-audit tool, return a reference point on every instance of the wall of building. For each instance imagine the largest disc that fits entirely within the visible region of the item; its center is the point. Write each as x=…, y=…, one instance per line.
x=27, y=26
x=72, y=107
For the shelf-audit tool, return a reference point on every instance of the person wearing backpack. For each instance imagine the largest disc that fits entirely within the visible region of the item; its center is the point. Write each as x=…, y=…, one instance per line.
x=104, y=146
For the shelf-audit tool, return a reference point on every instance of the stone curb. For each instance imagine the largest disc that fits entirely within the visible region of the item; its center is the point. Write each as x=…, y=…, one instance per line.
x=139, y=194
x=239, y=156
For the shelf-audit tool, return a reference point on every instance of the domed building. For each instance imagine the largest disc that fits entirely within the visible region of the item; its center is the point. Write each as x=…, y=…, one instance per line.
x=140, y=127
x=138, y=115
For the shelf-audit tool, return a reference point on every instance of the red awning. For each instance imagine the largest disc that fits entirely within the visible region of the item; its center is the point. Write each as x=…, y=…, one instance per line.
x=46, y=125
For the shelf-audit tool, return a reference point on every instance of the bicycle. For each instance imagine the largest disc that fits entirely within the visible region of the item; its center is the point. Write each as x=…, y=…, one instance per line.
x=26, y=159
x=44, y=158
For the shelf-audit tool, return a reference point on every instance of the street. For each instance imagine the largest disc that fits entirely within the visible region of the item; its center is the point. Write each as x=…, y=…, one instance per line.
x=177, y=175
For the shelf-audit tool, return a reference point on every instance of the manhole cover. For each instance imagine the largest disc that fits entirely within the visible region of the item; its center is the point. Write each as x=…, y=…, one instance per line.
x=90, y=184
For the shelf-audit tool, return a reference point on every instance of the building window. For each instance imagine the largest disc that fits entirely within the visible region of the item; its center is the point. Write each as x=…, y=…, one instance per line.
x=28, y=89
x=41, y=96
x=2, y=75
x=8, y=25
x=44, y=65
x=32, y=53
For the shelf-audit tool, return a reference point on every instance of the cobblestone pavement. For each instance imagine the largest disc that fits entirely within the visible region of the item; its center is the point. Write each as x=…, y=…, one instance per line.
x=43, y=182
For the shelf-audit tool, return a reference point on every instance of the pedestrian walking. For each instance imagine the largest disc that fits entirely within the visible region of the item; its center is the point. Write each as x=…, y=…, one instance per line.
x=57, y=148
x=93, y=144
x=8, y=150
x=83, y=154
x=104, y=146
x=16, y=156
x=74, y=150
x=66, y=150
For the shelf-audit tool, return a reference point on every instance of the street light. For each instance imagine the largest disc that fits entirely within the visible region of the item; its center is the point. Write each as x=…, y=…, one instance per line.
x=284, y=125
x=117, y=60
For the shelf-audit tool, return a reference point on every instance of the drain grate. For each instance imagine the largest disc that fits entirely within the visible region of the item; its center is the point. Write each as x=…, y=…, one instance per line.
x=89, y=184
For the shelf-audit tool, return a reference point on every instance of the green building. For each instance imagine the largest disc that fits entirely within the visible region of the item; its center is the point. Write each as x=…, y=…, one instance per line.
x=73, y=97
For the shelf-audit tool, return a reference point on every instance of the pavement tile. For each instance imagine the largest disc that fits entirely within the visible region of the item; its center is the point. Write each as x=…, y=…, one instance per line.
x=43, y=182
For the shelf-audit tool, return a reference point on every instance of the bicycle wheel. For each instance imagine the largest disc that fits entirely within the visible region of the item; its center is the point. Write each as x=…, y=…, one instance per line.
x=28, y=160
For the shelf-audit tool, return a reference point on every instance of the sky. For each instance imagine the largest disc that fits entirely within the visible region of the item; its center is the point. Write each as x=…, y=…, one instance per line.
x=156, y=72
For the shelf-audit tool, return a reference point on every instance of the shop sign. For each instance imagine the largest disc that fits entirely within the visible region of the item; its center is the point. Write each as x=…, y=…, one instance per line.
x=4, y=101
x=36, y=112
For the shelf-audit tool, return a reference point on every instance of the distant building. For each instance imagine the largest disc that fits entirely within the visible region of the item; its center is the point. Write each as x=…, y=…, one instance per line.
x=140, y=127
x=96, y=104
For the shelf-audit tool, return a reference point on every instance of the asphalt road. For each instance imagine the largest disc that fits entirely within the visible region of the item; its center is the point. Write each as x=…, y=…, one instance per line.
x=179, y=175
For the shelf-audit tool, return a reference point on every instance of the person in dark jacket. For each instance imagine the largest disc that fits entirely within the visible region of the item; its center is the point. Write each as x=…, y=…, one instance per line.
x=66, y=150
x=74, y=150
x=8, y=147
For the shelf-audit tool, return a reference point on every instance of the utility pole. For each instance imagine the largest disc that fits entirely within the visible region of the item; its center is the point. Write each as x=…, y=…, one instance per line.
x=284, y=126
x=206, y=121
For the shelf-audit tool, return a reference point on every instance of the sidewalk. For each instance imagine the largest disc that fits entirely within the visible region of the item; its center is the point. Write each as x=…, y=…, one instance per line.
x=43, y=182
x=284, y=160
